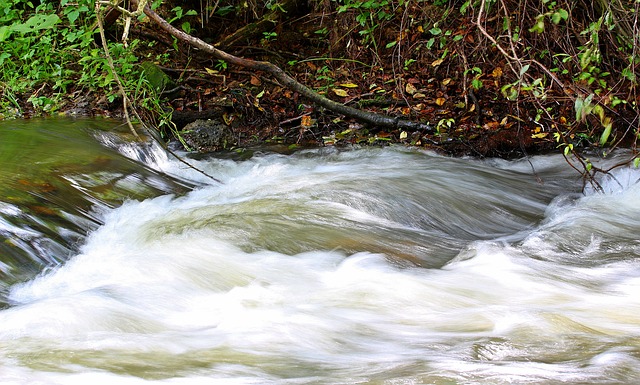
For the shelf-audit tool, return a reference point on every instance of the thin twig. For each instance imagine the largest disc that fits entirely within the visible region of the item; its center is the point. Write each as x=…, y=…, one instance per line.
x=112, y=68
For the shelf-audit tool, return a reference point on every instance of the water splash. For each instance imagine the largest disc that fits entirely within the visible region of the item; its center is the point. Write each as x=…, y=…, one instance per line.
x=341, y=267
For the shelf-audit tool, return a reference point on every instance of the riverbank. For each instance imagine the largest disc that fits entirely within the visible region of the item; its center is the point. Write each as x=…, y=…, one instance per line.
x=429, y=63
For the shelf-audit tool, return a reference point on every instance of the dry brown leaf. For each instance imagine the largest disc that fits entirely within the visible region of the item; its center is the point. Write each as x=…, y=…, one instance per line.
x=255, y=81
x=491, y=125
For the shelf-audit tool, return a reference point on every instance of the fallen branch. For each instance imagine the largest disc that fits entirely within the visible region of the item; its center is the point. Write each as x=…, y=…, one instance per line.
x=286, y=80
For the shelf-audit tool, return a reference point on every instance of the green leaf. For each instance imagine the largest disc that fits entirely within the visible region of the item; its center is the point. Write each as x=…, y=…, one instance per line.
x=463, y=7
x=36, y=23
x=606, y=133
x=626, y=72
x=73, y=16
x=538, y=27
x=559, y=15
x=578, y=105
x=5, y=32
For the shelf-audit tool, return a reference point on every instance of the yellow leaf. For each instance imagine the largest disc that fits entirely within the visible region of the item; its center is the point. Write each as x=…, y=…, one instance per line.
x=497, y=72
x=403, y=135
x=306, y=121
x=420, y=29
x=440, y=101
x=349, y=85
x=210, y=71
x=437, y=62
x=340, y=92
x=410, y=88
x=540, y=135
x=446, y=81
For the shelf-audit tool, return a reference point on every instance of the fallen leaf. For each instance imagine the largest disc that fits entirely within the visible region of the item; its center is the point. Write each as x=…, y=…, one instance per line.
x=255, y=81
x=446, y=81
x=497, y=72
x=228, y=118
x=491, y=125
x=411, y=89
x=440, y=101
x=540, y=135
x=437, y=62
x=419, y=95
x=403, y=135
x=340, y=92
x=306, y=121
x=349, y=85
x=210, y=71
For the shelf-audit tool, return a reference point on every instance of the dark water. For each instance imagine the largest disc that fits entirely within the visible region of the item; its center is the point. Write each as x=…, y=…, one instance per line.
x=367, y=266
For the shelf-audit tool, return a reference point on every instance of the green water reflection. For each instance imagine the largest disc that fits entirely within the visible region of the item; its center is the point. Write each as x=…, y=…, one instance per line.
x=57, y=176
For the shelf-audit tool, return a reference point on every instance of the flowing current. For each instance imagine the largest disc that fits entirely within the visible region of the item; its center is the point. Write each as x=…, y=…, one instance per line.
x=325, y=266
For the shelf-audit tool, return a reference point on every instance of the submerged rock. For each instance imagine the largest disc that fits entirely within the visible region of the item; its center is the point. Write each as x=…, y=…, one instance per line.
x=208, y=135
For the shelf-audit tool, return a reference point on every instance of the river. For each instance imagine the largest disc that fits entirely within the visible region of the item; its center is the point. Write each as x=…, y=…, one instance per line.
x=388, y=265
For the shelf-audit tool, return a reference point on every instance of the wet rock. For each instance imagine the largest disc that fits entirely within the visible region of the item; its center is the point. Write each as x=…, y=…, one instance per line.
x=208, y=135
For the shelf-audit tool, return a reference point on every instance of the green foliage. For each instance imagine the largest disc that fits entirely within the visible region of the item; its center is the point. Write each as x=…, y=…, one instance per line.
x=50, y=46
x=41, y=47
x=370, y=15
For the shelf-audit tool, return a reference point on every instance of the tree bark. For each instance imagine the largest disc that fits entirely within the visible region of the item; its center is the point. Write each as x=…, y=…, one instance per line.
x=374, y=119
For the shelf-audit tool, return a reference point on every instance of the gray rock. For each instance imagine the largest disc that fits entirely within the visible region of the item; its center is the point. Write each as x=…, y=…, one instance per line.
x=208, y=135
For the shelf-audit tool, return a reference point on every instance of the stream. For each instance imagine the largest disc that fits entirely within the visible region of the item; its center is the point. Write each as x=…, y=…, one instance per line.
x=121, y=265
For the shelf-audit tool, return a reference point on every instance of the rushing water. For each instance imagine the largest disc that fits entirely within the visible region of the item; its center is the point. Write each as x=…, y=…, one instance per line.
x=369, y=266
